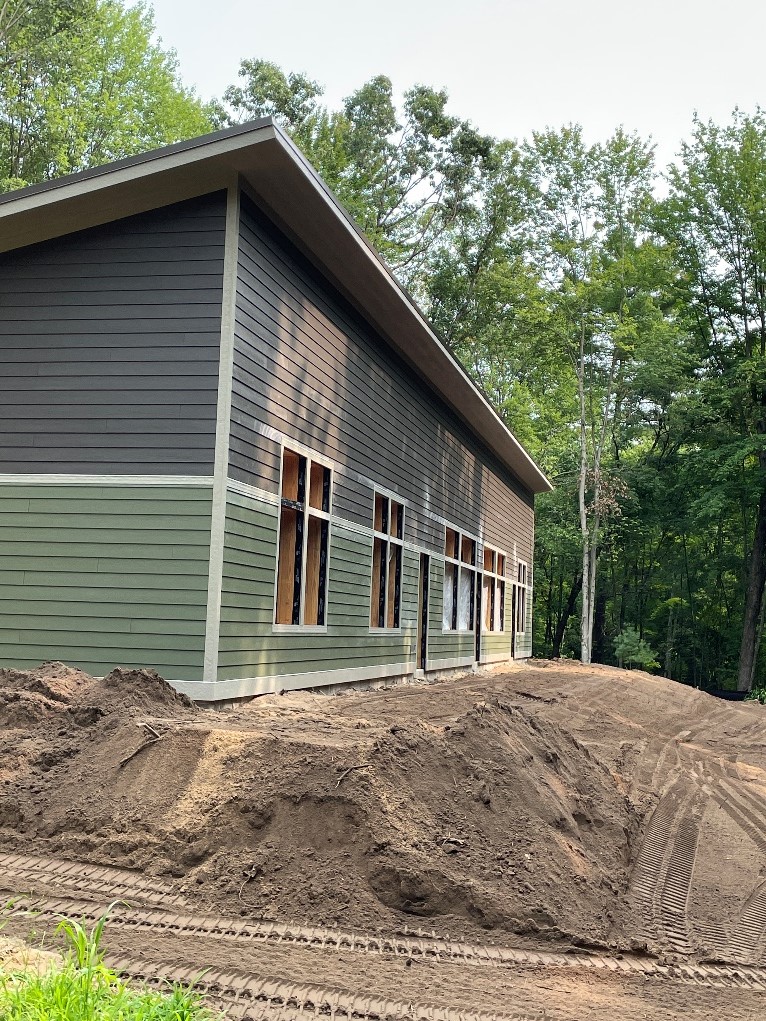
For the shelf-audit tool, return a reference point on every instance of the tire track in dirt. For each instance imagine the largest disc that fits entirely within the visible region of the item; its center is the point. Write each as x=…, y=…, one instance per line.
x=94, y=881
x=745, y=817
x=410, y=947
x=651, y=864
x=661, y=879
x=676, y=888
x=748, y=936
x=255, y=998
x=747, y=939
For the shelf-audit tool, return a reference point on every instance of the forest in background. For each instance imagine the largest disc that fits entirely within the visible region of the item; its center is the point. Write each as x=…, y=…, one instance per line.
x=613, y=311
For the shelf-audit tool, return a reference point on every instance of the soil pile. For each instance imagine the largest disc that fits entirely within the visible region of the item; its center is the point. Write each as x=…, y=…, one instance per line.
x=545, y=803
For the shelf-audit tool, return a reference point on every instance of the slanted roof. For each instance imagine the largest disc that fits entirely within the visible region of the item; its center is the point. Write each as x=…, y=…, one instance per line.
x=292, y=193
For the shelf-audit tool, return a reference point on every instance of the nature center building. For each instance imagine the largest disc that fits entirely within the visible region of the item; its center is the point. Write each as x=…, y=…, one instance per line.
x=231, y=446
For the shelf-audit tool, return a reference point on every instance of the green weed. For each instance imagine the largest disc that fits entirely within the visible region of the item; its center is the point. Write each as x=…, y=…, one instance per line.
x=85, y=989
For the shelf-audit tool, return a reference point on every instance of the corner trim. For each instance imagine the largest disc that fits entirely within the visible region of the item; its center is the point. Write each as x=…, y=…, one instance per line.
x=222, y=431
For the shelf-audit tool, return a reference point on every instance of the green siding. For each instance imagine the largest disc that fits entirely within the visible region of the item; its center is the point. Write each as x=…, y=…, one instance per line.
x=524, y=642
x=105, y=576
x=496, y=645
x=249, y=646
x=444, y=645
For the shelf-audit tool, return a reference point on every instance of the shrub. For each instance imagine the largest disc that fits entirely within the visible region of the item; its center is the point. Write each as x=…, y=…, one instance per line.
x=631, y=648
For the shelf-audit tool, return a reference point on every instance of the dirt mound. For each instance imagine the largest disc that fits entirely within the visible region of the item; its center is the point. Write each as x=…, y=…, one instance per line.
x=47, y=716
x=529, y=803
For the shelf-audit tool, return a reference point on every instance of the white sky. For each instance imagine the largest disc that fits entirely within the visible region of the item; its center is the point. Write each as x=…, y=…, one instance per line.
x=510, y=67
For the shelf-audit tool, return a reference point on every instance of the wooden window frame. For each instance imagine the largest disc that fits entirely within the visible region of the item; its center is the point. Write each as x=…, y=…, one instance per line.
x=522, y=587
x=497, y=589
x=460, y=565
x=385, y=537
x=317, y=514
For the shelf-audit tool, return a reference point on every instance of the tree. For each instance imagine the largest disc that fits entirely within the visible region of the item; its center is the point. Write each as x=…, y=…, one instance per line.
x=96, y=89
x=716, y=218
x=591, y=204
x=25, y=24
x=631, y=648
x=294, y=101
x=406, y=179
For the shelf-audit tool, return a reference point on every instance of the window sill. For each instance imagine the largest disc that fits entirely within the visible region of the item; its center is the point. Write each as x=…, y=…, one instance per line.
x=291, y=629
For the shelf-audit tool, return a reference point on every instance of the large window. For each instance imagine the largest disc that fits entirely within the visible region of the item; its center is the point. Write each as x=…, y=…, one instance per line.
x=493, y=594
x=459, y=581
x=388, y=539
x=521, y=598
x=304, y=537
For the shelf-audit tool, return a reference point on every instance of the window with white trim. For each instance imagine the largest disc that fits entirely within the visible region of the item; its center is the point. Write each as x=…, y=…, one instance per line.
x=387, y=553
x=459, y=581
x=521, y=598
x=493, y=585
x=304, y=538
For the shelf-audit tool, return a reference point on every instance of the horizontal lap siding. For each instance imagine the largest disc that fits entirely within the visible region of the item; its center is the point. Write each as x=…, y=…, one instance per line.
x=307, y=367
x=105, y=576
x=524, y=642
x=497, y=644
x=249, y=647
x=109, y=346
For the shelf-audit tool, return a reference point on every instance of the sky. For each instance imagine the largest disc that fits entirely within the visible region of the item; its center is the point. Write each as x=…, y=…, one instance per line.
x=510, y=67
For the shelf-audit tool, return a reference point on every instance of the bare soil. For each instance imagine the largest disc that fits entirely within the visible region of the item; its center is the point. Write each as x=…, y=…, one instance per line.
x=16, y=956
x=546, y=805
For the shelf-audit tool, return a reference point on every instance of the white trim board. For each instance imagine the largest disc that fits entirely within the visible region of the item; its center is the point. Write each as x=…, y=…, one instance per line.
x=245, y=687
x=222, y=431
x=85, y=479
x=252, y=492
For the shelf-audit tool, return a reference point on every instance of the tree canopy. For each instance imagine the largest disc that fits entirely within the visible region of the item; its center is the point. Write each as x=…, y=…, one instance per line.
x=83, y=82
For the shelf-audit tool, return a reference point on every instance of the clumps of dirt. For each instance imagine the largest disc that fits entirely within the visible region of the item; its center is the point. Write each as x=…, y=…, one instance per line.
x=504, y=804
x=48, y=715
x=357, y=810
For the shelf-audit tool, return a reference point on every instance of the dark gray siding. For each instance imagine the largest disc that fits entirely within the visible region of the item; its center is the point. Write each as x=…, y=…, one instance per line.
x=109, y=346
x=307, y=366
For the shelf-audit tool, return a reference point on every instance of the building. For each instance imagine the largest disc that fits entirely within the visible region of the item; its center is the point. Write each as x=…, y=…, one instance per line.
x=231, y=447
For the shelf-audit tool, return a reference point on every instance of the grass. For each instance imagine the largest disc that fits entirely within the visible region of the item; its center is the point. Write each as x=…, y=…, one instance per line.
x=85, y=989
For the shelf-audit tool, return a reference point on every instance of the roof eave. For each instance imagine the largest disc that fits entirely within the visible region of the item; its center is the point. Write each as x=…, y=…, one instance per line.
x=293, y=193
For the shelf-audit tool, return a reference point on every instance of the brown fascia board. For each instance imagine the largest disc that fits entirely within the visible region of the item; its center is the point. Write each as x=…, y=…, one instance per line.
x=262, y=156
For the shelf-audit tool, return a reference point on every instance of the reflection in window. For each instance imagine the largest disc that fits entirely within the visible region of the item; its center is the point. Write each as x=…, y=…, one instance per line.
x=459, y=581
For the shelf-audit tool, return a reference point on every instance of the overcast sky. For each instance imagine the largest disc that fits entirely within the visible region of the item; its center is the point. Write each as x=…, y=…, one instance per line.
x=510, y=67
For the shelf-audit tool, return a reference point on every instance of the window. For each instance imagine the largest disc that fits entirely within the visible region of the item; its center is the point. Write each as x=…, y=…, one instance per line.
x=521, y=598
x=493, y=585
x=304, y=536
x=387, y=543
x=459, y=581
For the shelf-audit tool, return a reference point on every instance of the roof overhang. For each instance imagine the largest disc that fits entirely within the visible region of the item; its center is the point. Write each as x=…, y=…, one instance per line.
x=262, y=156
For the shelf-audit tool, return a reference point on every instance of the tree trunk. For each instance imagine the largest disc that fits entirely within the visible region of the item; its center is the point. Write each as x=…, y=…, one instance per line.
x=585, y=616
x=670, y=642
x=599, y=627
x=566, y=613
x=756, y=581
